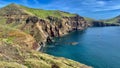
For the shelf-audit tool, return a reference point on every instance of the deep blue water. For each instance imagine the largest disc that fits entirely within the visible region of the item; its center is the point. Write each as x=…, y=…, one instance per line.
x=98, y=47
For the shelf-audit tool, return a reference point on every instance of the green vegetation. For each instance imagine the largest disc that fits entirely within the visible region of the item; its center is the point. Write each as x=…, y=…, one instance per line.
x=15, y=56
x=109, y=22
x=19, y=9
x=89, y=20
x=45, y=13
x=17, y=48
x=11, y=9
x=113, y=20
x=4, y=64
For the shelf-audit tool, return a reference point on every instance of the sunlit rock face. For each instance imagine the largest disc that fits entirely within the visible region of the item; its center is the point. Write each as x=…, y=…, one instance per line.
x=55, y=27
x=22, y=32
x=41, y=29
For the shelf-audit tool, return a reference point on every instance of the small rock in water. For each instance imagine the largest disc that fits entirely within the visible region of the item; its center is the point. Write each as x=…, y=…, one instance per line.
x=74, y=43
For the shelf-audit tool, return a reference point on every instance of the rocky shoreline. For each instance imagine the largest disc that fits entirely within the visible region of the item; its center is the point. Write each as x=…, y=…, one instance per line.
x=58, y=30
x=23, y=33
x=44, y=30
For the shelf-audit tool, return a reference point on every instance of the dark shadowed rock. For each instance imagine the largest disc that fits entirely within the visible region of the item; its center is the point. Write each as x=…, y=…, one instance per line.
x=102, y=24
x=55, y=66
x=32, y=19
x=9, y=20
x=49, y=40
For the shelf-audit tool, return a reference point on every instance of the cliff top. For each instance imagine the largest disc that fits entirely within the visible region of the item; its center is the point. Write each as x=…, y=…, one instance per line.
x=17, y=48
x=20, y=9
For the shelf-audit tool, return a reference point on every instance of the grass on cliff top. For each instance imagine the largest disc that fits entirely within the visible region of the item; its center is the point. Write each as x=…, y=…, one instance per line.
x=113, y=20
x=45, y=13
x=89, y=20
x=36, y=12
x=109, y=21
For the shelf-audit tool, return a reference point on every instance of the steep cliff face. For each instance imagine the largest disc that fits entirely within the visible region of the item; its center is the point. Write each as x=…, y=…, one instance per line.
x=22, y=32
x=42, y=29
x=17, y=50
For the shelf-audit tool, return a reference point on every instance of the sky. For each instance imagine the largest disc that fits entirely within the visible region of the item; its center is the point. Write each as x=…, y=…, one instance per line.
x=96, y=9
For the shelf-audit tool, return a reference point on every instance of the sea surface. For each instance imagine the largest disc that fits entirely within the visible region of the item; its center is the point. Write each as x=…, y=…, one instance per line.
x=98, y=47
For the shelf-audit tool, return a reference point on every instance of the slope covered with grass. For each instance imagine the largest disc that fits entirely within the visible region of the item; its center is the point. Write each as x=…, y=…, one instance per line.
x=16, y=52
x=109, y=22
x=19, y=9
x=45, y=13
x=89, y=20
x=113, y=20
x=18, y=49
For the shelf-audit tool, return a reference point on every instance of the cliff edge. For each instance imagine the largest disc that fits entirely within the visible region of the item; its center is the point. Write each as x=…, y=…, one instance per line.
x=41, y=24
x=24, y=30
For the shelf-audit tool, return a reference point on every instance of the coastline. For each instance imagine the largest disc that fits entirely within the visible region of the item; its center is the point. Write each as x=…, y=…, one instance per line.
x=41, y=47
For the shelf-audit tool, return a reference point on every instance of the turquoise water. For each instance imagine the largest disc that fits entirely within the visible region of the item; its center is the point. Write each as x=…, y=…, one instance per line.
x=98, y=47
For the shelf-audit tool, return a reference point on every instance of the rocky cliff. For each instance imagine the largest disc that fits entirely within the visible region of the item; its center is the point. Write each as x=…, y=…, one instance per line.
x=41, y=28
x=24, y=30
x=17, y=50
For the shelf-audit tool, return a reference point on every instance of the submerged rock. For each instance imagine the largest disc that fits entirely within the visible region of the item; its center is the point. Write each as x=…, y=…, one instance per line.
x=74, y=43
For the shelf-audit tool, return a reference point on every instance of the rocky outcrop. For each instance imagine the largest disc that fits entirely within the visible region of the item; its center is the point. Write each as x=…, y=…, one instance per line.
x=102, y=24
x=54, y=27
x=18, y=50
x=42, y=29
x=21, y=33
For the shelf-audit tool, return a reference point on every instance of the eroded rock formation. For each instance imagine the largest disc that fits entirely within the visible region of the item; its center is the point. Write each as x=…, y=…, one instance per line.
x=56, y=27
x=22, y=32
x=41, y=29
